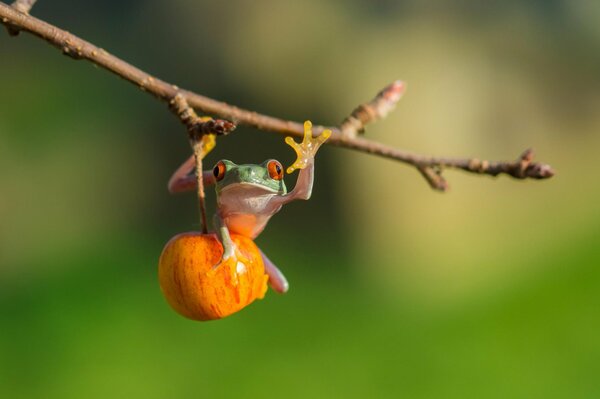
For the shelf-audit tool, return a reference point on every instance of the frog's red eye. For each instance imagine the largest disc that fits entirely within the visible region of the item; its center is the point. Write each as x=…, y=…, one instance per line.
x=275, y=170
x=219, y=171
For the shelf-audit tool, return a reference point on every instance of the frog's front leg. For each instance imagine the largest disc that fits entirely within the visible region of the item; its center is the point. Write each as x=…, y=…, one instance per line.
x=231, y=255
x=306, y=151
x=277, y=280
x=224, y=238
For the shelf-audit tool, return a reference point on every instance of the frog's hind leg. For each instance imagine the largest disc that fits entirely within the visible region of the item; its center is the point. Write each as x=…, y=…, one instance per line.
x=276, y=278
x=184, y=178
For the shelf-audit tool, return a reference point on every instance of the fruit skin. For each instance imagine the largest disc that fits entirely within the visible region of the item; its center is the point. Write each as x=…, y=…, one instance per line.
x=193, y=292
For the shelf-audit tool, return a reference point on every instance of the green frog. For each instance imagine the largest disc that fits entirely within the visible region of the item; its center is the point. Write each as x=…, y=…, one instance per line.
x=248, y=195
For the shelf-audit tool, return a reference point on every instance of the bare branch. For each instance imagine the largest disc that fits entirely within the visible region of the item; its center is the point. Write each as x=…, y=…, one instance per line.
x=429, y=167
x=199, y=154
x=23, y=6
x=378, y=108
x=202, y=133
x=433, y=175
x=522, y=168
x=199, y=126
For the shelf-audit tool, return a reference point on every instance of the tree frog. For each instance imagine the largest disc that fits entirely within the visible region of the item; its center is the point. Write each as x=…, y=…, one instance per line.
x=248, y=195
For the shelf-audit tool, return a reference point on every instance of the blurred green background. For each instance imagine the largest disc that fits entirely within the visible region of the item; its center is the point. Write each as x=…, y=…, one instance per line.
x=488, y=291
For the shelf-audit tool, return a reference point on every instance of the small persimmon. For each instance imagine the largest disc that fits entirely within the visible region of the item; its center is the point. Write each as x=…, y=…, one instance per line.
x=199, y=291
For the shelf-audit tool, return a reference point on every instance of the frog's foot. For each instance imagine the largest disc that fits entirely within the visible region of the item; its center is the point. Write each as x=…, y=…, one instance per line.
x=235, y=261
x=230, y=264
x=308, y=148
x=209, y=141
x=276, y=278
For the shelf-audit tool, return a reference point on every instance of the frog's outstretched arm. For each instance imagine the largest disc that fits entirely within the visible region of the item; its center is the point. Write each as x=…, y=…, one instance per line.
x=303, y=188
x=277, y=280
x=184, y=180
x=306, y=152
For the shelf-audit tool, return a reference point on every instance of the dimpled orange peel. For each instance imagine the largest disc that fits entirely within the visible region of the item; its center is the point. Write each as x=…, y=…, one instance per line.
x=195, y=290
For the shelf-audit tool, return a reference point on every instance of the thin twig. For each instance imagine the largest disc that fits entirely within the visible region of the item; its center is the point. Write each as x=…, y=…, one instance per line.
x=77, y=48
x=434, y=177
x=202, y=133
x=192, y=122
x=382, y=104
x=197, y=126
x=23, y=6
x=198, y=155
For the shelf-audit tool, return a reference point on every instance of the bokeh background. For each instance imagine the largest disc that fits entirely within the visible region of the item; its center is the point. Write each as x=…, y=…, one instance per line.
x=488, y=291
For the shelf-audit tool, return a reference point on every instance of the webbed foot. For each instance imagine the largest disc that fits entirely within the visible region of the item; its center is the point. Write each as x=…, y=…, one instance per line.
x=307, y=149
x=234, y=260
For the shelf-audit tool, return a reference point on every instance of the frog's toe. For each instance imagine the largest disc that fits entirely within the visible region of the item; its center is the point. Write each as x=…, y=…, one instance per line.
x=231, y=264
x=307, y=149
x=277, y=280
x=241, y=257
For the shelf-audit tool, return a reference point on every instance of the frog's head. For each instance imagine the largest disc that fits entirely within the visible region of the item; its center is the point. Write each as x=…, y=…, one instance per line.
x=267, y=176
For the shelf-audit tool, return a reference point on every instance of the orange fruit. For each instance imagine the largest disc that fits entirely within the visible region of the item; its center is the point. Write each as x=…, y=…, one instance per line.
x=197, y=291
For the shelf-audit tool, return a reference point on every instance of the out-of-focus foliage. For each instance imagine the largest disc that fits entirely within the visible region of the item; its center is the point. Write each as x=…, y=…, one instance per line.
x=488, y=291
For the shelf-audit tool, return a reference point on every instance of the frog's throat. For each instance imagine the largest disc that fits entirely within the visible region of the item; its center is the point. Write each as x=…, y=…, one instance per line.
x=249, y=185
